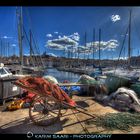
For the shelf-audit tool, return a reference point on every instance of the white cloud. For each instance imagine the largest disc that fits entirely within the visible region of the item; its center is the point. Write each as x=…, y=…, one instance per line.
x=75, y=36
x=26, y=54
x=6, y=37
x=55, y=46
x=83, y=49
x=115, y=18
x=105, y=45
x=52, y=54
x=56, y=32
x=64, y=41
x=13, y=45
x=112, y=44
x=67, y=43
x=59, y=36
x=124, y=58
x=49, y=35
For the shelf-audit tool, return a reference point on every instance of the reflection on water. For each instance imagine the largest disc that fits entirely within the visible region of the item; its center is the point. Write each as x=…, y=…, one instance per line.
x=62, y=75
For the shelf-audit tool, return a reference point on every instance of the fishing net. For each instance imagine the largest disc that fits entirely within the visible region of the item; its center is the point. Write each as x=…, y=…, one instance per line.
x=43, y=87
x=114, y=121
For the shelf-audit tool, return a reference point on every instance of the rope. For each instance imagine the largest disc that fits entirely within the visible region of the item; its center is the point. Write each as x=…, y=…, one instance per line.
x=37, y=49
x=138, y=36
x=29, y=44
x=35, y=43
x=84, y=128
x=35, y=59
x=121, y=49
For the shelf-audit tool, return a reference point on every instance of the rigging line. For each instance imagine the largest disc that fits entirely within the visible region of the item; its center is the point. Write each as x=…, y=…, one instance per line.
x=17, y=19
x=29, y=43
x=102, y=25
x=26, y=44
x=111, y=33
x=36, y=57
x=136, y=28
x=30, y=23
x=138, y=36
x=38, y=50
x=121, y=48
x=31, y=60
x=36, y=46
x=29, y=18
x=40, y=60
x=15, y=22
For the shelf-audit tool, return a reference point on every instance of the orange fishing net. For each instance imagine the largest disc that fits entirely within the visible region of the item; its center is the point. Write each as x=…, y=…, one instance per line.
x=43, y=87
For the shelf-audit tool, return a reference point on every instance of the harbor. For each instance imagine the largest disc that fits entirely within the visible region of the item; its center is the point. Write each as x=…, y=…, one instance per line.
x=68, y=79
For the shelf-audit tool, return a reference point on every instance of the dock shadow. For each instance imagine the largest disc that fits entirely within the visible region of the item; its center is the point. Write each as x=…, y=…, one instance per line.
x=24, y=125
x=82, y=104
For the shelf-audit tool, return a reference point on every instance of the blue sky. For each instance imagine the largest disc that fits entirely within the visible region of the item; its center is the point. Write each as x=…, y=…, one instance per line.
x=69, y=20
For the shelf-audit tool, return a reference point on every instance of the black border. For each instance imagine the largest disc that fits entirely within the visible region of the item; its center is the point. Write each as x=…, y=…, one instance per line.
x=70, y=136
x=69, y=2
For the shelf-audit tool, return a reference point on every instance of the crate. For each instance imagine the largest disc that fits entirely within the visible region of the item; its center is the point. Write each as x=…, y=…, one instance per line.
x=7, y=89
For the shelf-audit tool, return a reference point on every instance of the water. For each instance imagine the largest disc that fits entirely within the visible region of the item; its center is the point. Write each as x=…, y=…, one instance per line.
x=62, y=75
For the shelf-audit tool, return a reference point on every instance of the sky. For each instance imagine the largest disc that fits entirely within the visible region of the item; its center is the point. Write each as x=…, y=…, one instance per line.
x=60, y=31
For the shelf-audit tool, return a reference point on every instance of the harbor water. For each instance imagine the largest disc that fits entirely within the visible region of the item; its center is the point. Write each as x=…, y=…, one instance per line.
x=62, y=75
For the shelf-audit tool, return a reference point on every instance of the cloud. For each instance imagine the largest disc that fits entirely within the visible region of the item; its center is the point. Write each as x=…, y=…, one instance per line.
x=13, y=45
x=83, y=49
x=52, y=54
x=121, y=58
x=75, y=36
x=72, y=49
x=115, y=18
x=49, y=35
x=56, y=32
x=6, y=37
x=68, y=43
x=104, y=45
x=64, y=41
x=112, y=44
x=59, y=36
x=55, y=46
x=26, y=54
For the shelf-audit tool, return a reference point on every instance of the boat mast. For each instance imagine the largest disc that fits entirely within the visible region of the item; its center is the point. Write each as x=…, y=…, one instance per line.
x=20, y=35
x=1, y=48
x=30, y=46
x=99, y=47
x=8, y=49
x=129, y=40
x=85, y=44
x=93, y=43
